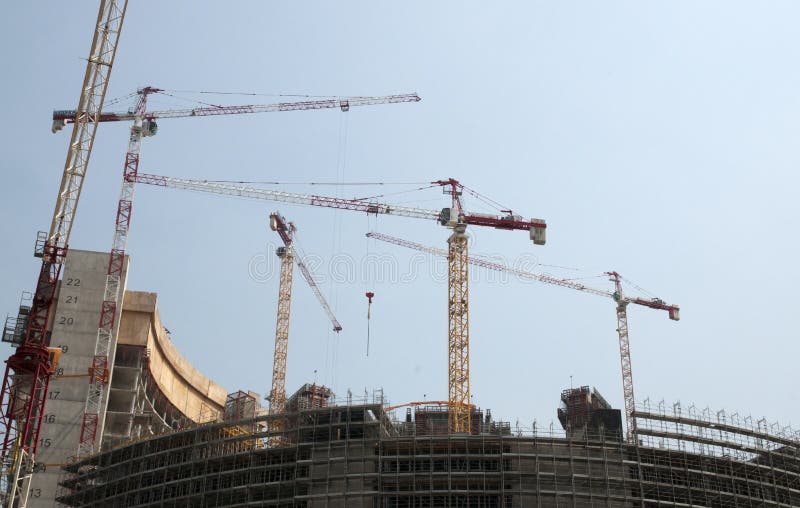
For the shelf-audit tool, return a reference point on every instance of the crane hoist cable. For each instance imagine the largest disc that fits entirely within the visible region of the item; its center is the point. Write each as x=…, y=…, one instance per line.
x=369, y=281
x=369, y=295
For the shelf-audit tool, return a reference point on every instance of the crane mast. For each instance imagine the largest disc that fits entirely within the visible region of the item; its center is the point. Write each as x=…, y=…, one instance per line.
x=28, y=370
x=617, y=295
x=459, y=416
x=277, y=396
x=458, y=387
x=112, y=291
x=625, y=357
x=454, y=218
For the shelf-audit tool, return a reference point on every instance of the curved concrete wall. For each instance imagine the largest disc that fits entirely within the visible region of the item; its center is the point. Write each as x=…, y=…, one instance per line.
x=185, y=387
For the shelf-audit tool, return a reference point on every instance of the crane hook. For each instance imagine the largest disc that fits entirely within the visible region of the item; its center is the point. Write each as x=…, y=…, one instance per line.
x=369, y=295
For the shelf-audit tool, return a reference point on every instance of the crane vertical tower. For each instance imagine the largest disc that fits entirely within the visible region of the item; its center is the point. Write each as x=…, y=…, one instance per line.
x=625, y=357
x=112, y=292
x=458, y=375
x=277, y=395
x=458, y=386
x=24, y=390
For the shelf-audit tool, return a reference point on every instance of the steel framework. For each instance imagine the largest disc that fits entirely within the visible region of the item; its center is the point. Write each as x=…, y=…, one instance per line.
x=27, y=375
x=287, y=255
x=458, y=336
x=277, y=395
x=65, y=117
x=625, y=358
x=112, y=293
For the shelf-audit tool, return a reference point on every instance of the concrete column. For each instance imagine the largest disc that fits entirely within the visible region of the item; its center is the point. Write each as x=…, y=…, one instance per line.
x=75, y=321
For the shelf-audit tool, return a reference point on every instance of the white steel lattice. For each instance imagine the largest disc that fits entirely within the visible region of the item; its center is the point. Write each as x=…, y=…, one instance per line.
x=627, y=370
x=112, y=294
x=104, y=47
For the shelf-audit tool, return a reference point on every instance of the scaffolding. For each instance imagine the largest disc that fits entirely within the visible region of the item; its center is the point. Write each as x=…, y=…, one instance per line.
x=356, y=454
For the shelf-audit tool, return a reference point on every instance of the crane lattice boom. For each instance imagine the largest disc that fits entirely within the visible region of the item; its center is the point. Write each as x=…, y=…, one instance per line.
x=286, y=230
x=655, y=303
x=66, y=117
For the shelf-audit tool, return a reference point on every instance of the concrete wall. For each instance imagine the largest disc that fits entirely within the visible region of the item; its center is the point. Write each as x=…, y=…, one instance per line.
x=186, y=388
x=76, y=316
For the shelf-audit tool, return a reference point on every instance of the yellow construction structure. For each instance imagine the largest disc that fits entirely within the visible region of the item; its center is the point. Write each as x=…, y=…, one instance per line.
x=458, y=330
x=277, y=396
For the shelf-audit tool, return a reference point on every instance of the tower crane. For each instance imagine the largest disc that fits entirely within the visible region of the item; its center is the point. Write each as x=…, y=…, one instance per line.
x=28, y=369
x=288, y=254
x=454, y=217
x=617, y=295
x=144, y=125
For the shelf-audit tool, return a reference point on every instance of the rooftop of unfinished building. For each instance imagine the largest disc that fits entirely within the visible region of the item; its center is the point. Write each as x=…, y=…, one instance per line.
x=660, y=427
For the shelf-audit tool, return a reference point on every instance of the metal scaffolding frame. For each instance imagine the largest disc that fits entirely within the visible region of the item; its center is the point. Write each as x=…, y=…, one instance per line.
x=355, y=454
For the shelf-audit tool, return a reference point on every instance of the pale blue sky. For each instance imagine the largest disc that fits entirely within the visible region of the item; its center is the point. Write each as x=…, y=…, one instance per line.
x=656, y=138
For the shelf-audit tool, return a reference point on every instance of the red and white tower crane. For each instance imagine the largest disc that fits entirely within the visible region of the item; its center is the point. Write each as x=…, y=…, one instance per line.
x=28, y=370
x=288, y=254
x=453, y=217
x=617, y=295
x=144, y=125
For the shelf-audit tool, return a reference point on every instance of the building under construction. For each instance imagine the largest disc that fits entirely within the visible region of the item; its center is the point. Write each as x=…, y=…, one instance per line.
x=99, y=409
x=353, y=453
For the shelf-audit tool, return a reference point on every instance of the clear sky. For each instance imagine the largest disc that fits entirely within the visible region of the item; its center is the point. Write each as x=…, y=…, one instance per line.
x=658, y=139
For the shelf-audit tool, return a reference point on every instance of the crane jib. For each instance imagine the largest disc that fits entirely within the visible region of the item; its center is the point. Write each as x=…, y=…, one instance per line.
x=66, y=116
